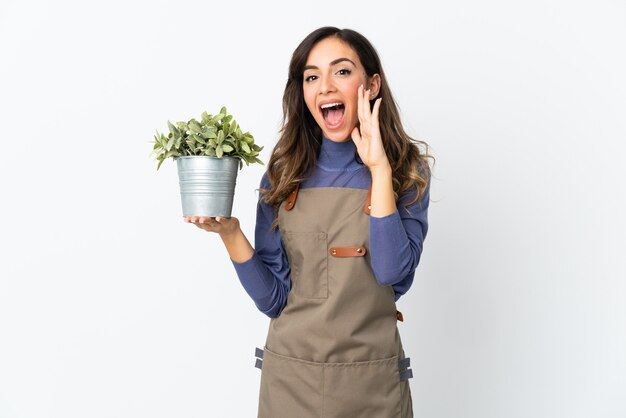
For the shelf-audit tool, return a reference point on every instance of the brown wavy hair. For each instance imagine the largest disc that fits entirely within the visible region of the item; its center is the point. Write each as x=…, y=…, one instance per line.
x=294, y=155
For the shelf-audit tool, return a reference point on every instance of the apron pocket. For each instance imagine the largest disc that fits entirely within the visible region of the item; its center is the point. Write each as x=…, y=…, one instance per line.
x=363, y=389
x=289, y=388
x=308, y=260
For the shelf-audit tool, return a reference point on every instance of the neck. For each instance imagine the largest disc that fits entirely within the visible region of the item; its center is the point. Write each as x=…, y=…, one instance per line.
x=338, y=156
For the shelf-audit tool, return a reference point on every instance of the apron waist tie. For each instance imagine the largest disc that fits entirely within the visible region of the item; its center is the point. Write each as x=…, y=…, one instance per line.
x=259, y=361
x=403, y=368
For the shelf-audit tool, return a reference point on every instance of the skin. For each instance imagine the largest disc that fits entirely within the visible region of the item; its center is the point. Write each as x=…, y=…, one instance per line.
x=333, y=71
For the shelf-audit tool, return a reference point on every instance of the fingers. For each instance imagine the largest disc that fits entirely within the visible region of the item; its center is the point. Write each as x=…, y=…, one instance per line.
x=375, y=113
x=363, y=105
x=210, y=220
x=205, y=222
x=198, y=219
x=360, y=104
x=365, y=113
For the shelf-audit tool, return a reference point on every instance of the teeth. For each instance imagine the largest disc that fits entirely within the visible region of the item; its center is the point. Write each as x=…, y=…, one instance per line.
x=327, y=105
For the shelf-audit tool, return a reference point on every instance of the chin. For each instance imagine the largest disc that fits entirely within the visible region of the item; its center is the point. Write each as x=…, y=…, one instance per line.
x=339, y=136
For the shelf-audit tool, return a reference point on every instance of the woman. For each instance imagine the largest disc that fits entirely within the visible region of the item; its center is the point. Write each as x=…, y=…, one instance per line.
x=340, y=227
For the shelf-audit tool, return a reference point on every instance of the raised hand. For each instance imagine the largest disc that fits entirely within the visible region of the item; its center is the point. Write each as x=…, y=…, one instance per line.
x=366, y=136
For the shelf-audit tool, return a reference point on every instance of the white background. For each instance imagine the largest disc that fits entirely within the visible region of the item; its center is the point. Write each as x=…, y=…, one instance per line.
x=112, y=306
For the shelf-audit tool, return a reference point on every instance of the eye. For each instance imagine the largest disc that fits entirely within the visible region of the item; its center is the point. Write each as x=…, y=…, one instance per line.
x=344, y=71
x=310, y=78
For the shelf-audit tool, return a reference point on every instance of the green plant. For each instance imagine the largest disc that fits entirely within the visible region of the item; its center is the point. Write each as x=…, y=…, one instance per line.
x=214, y=136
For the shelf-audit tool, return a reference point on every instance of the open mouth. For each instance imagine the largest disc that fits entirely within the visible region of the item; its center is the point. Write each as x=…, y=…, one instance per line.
x=333, y=113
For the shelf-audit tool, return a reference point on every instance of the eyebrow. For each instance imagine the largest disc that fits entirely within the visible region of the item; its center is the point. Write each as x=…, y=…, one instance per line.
x=334, y=62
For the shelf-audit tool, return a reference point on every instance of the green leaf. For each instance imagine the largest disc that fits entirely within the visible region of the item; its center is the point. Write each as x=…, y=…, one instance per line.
x=172, y=127
x=220, y=137
x=208, y=132
x=245, y=147
x=212, y=142
x=172, y=153
x=182, y=126
x=217, y=118
x=227, y=148
x=170, y=143
x=197, y=138
x=223, y=110
x=195, y=127
x=219, y=151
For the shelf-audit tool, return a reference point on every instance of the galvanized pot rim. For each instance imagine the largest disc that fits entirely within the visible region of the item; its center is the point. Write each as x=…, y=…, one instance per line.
x=206, y=156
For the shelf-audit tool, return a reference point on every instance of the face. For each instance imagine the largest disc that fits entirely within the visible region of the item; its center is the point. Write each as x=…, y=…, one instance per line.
x=332, y=76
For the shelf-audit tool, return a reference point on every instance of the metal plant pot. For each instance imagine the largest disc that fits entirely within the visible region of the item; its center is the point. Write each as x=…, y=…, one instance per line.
x=207, y=185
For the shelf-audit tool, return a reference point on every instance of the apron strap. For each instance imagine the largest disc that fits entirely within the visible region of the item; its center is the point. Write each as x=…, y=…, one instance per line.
x=358, y=251
x=291, y=200
x=368, y=202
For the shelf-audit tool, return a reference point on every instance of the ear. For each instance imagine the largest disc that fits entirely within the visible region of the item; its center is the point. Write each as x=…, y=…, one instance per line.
x=374, y=85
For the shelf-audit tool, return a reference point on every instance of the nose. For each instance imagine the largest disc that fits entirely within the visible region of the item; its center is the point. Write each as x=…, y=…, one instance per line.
x=326, y=85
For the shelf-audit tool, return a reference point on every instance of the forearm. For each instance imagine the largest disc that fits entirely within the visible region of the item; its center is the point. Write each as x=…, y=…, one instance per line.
x=268, y=291
x=393, y=254
x=383, y=201
x=396, y=236
x=237, y=245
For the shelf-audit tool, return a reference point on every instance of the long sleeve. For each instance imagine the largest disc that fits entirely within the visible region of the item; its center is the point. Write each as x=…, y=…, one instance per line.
x=266, y=275
x=396, y=242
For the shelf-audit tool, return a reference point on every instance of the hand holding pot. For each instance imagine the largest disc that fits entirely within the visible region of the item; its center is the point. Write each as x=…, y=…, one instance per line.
x=237, y=245
x=219, y=224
